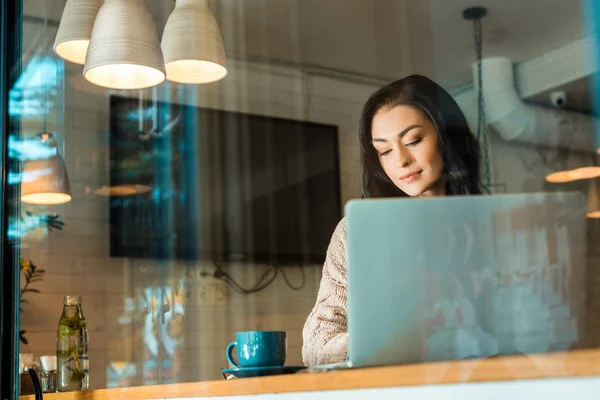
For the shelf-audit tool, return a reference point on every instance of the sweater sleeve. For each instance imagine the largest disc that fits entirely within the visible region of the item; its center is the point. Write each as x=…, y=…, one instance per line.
x=325, y=337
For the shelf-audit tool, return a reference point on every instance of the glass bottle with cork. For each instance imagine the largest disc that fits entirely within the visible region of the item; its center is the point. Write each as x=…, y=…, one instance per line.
x=72, y=359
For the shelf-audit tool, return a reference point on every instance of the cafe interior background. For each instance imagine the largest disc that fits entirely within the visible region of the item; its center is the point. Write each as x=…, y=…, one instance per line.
x=298, y=60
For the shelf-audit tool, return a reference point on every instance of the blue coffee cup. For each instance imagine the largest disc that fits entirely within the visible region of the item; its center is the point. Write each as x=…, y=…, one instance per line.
x=258, y=349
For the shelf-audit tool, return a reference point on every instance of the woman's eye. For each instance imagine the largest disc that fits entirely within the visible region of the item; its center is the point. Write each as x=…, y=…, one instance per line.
x=414, y=143
x=385, y=153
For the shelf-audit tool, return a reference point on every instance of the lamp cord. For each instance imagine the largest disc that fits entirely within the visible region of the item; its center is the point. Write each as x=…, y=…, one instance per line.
x=44, y=84
x=482, y=134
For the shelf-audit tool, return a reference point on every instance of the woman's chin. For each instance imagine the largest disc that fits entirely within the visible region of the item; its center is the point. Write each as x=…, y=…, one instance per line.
x=412, y=190
x=418, y=189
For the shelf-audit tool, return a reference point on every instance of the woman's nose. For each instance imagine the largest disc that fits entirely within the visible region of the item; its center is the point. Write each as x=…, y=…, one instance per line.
x=404, y=158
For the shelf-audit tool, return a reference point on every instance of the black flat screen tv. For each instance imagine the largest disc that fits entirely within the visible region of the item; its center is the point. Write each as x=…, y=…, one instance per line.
x=194, y=183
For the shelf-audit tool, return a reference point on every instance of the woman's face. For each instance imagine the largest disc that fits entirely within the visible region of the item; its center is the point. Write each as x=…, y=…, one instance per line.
x=408, y=147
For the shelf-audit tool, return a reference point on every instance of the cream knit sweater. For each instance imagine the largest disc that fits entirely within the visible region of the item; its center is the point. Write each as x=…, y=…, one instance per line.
x=325, y=336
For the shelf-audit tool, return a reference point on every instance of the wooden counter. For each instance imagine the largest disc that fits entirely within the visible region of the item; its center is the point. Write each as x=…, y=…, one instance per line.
x=584, y=363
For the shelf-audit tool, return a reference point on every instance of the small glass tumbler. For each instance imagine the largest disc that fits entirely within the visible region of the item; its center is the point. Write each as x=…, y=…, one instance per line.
x=47, y=373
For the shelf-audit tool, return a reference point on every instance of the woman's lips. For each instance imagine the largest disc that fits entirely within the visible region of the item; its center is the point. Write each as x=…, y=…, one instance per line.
x=411, y=176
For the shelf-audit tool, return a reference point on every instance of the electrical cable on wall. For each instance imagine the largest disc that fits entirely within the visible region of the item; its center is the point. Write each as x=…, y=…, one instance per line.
x=476, y=14
x=267, y=278
x=287, y=282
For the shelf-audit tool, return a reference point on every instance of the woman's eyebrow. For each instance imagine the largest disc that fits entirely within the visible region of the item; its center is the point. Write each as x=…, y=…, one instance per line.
x=401, y=134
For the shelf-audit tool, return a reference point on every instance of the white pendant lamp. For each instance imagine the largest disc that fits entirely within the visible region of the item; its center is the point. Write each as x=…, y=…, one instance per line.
x=75, y=29
x=192, y=44
x=124, y=51
x=45, y=180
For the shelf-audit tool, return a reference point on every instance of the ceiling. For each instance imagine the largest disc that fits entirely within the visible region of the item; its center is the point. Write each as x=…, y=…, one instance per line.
x=390, y=38
x=380, y=38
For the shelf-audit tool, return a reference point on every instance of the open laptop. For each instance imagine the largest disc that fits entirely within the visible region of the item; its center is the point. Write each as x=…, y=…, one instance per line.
x=461, y=277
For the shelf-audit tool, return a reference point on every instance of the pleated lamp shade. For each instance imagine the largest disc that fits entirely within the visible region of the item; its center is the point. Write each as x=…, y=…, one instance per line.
x=124, y=51
x=75, y=29
x=45, y=181
x=593, y=206
x=192, y=44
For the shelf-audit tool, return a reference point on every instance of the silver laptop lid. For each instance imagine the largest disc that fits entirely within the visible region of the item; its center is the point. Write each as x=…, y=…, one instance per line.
x=457, y=277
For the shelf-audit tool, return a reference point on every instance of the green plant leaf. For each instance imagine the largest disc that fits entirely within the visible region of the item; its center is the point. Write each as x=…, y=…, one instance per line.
x=64, y=331
x=77, y=376
x=22, y=337
x=62, y=353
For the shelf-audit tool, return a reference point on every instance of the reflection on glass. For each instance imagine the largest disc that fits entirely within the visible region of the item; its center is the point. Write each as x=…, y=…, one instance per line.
x=156, y=319
x=240, y=183
x=32, y=94
x=45, y=180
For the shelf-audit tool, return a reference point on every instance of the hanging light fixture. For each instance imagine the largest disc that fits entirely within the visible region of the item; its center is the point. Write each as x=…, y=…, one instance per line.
x=75, y=29
x=476, y=15
x=124, y=51
x=575, y=167
x=45, y=179
x=574, y=175
x=192, y=44
x=122, y=190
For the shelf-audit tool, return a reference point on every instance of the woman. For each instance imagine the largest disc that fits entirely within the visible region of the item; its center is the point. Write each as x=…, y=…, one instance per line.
x=414, y=141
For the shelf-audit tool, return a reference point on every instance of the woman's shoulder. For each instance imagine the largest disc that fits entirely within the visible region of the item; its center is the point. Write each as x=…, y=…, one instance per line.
x=338, y=239
x=335, y=261
x=340, y=230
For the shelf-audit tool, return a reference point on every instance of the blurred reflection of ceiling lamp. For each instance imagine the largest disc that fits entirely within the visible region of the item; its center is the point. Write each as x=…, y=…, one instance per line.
x=593, y=207
x=192, y=44
x=122, y=190
x=574, y=166
x=559, y=177
x=574, y=174
x=75, y=29
x=124, y=51
x=45, y=180
x=585, y=173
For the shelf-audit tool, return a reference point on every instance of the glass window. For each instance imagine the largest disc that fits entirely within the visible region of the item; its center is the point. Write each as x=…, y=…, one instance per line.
x=187, y=183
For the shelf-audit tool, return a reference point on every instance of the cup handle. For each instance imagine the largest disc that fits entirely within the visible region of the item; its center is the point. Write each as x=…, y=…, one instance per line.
x=229, y=354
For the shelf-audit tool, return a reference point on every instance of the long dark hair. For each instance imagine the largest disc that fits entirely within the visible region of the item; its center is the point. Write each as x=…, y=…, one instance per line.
x=459, y=147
